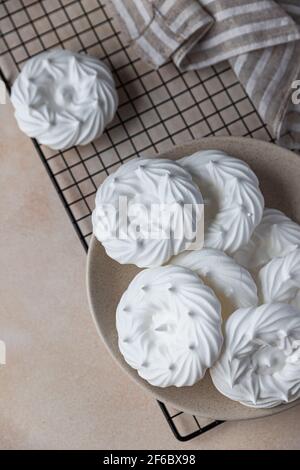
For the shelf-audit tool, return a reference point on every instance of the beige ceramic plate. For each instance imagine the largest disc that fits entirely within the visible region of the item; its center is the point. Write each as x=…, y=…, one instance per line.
x=279, y=173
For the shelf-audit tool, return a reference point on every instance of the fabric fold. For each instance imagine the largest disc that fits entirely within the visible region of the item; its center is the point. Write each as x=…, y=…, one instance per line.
x=259, y=38
x=241, y=26
x=158, y=29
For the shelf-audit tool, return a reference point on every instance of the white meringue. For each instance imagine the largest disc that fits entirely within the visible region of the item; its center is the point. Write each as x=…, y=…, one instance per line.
x=276, y=235
x=63, y=98
x=150, y=186
x=260, y=362
x=169, y=326
x=233, y=201
x=233, y=285
x=279, y=280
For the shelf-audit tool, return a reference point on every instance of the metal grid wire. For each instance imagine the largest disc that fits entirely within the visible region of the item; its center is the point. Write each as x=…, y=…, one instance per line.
x=158, y=109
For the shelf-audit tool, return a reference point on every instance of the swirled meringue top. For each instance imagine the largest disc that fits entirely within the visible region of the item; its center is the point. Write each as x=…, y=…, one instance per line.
x=276, y=235
x=279, y=280
x=233, y=201
x=62, y=98
x=169, y=326
x=233, y=285
x=260, y=362
x=154, y=190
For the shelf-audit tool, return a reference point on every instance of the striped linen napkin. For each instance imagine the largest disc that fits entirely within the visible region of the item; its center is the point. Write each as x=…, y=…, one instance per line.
x=258, y=37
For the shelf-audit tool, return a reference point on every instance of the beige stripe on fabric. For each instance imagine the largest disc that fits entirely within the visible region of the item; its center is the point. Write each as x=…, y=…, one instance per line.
x=178, y=22
x=131, y=21
x=256, y=71
x=235, y=11
x=278, y=80
x=264, y=64
x=187, y=20
x=271, y=91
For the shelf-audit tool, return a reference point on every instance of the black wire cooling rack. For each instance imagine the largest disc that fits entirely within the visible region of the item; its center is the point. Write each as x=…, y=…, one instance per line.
x=158, y=109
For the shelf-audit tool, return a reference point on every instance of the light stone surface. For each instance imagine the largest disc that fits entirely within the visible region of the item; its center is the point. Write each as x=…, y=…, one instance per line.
x=60, y=388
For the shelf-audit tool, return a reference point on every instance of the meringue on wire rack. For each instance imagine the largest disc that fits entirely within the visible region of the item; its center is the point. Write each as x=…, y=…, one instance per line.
x=62, y=98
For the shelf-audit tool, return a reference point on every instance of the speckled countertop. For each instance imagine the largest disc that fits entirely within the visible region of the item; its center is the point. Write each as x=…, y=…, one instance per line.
x=60, y=388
